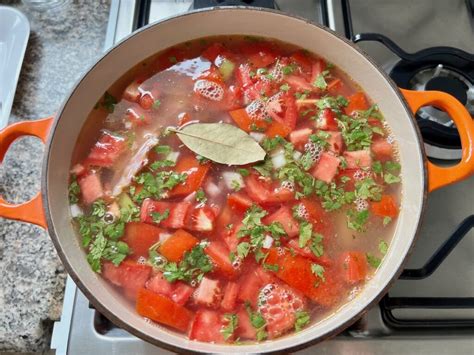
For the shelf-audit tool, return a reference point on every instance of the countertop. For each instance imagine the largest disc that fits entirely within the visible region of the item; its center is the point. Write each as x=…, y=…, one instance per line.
x=63, y=43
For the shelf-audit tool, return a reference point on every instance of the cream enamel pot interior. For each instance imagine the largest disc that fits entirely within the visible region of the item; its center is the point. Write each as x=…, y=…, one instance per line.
x=419, y=176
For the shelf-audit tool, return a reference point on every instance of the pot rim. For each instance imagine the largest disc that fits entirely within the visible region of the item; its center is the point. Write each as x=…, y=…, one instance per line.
x=135, y=331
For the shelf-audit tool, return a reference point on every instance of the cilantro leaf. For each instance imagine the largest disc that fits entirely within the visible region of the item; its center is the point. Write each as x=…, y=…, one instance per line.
x=74, y=191
x=306, y=231
x=391, y=179
x=318, y=270
x=373, y=260
x=231, y=326
x=387, y=220
x=194, y=265
x=302, y=320
x=383, y=247
x=201, y=196
x=158, y=217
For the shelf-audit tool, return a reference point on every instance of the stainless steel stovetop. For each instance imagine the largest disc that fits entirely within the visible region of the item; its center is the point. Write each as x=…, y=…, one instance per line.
x=423, y=313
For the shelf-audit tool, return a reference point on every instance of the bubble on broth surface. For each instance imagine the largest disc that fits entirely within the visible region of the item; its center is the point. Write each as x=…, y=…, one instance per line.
x=362, y=174
x=314, y=150
x=256, y=110
x=289, y=185
x=302, y=212
x=209, y=89
x=361, y=204
x=141, y=260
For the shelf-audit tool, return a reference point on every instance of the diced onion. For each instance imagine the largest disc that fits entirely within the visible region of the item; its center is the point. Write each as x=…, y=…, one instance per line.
x=212, y=189
x=231, y=178
x=173, y=156
x=279, y=160
x=267, y=242
x=297, y=155
x=257, y=136
x=76, y=211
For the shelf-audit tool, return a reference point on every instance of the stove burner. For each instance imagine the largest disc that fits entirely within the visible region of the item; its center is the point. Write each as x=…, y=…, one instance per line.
x=438, y=68
x=199, y=4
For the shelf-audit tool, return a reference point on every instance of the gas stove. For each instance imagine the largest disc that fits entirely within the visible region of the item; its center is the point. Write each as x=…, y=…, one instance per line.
x=423, y=44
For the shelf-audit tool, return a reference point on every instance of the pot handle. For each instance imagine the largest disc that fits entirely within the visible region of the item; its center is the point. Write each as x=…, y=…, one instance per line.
x=441, y=176
x=32, y=210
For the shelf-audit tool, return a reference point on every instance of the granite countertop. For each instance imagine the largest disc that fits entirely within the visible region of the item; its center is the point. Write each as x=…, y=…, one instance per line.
x=63, y=43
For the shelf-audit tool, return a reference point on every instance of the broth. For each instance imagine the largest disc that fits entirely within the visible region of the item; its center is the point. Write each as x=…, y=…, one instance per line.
x=236, y=253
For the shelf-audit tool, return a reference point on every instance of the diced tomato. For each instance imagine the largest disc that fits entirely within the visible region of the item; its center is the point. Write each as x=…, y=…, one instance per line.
x=300, y=137
x=245, y=329
x=298, y=83
x=132, y=92
x=326, y=168
x=213, y=51
x=91, y=188
x=163, y=310
x=129, y=274
x=258, y=89
x=280, y=307
x=358, y=159
x=159, y=284
x=207, y=326
x=78, y=170
x=335, y=142
x=307, y=253
x=169, y=58
x=137, y=116
x=177, y=212
x=357, y=102
x=355, y=266
x=266, y=194
x=260, y=54
x=291, y=111
x=209, y=293
x=181, y=293
x=230, y=236
x=327, y=120
x=183, y=118
x=382, y=149
x=317, y=216
x=317, y=68
x=386, y=207
x=146, y=100
x=245, y=122
x=196, y=173
x=249, y=287
x=296, y=272
x=174, y=248
x=220, y=256
x=239, y=201
x=140, y=237
x=224, y=218
x=233, y=98
x=303, y=61
x=352, y=174
x=277, y=129
x=230, y=296
x=178, y=292
x=243, y=75
x=201, y=219
x=107, y=150
x=285, y=217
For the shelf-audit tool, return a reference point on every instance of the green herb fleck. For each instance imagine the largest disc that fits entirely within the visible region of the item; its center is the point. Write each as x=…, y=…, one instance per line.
x=373, y=260
x=201, y=196
x=302, y=320
x=318, y=270
x=387, y=220
x=383, y=247
x=232, y=323
x=194, y=265
x=158, y=217
x=109, y=102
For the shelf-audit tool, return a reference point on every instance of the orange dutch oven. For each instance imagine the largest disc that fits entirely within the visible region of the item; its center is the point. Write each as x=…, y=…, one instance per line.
x=50, y=208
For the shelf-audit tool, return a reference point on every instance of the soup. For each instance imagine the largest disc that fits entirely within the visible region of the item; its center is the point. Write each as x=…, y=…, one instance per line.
x=235, y=246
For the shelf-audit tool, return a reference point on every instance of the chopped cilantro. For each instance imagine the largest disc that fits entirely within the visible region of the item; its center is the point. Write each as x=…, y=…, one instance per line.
x=356, y=220
x=306, y=231
x=235, y=185
x=258, y=322
x=387, y=220
x=156, y=104
x=383, y=247
x=289, y=69
x=302, y=320
x=109, y=102
x=373, y=260
x=161, y=164
x=201, y=159
x=243, y=172
x=377, y=167
x=232, y=323
x=162, y=149
x=271, y=267
x=243, y=249
x=285, y=87
x=392, y=166
x=74, y=190
x=318, y=270
x=320, y=81
x=201, y=196
x=158, y=217
x=173, y=59
x=157, y=185
x=194, y=265
x=391, y=179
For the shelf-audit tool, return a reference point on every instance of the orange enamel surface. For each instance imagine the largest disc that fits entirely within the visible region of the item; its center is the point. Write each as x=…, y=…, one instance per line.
x=32, y=210
x=442, y=176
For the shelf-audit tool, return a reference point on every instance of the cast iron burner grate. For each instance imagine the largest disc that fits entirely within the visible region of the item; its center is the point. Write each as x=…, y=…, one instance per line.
x=445, y=69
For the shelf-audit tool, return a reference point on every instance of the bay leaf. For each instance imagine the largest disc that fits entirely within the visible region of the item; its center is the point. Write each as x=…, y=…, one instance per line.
x=221, y=142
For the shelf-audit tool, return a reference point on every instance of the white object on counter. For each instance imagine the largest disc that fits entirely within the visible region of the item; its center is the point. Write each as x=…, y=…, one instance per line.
x=14, y=33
